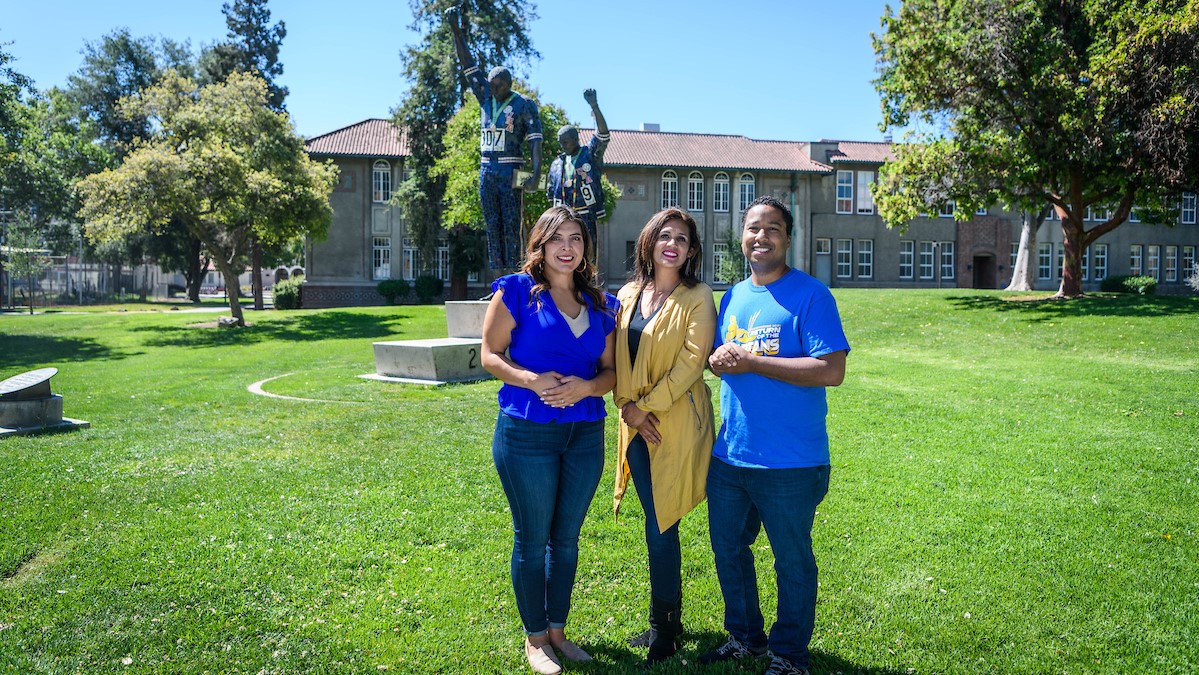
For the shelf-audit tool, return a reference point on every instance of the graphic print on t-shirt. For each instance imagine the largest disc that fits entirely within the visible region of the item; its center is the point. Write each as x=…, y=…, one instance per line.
x=761, y=340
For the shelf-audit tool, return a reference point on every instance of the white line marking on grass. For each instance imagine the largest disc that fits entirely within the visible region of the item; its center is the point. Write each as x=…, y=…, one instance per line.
x=256, y=388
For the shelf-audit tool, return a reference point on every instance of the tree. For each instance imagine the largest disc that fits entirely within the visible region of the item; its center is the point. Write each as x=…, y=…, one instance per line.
x=252, y=47
x=1042, y=102
x=26, y=254
x=458, y=166
x=222, y=161
x=496, y=33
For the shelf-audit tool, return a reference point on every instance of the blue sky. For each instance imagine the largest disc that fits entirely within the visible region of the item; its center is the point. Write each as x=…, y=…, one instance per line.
x=767, y=69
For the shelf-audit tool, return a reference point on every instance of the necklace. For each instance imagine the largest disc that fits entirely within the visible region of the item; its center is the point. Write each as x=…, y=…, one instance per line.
x=657, y=298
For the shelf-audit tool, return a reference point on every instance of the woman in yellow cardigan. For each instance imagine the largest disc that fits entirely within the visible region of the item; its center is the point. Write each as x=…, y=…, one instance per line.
x=664, y=333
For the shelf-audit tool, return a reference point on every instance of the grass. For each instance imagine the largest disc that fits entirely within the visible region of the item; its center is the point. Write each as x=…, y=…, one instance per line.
x=1014, y=490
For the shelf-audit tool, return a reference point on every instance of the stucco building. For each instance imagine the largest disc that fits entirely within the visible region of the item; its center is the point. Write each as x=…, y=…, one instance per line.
x=838, y=235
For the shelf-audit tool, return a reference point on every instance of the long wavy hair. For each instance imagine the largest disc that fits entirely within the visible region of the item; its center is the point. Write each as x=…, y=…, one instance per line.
x=584, y=274
x=643, y=257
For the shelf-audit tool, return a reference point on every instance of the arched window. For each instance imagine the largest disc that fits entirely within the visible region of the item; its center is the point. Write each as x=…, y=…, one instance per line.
x=745, y=186
x=670, y=189
x=695, y=191
x=381, y=179
x=720, y=192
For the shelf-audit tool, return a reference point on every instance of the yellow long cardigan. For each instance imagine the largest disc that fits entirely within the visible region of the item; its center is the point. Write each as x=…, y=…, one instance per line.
x=667, y=380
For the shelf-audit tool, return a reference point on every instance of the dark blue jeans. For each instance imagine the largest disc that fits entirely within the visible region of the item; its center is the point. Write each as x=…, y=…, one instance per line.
x=665, y=555
x=549, y=473
x=740, y=502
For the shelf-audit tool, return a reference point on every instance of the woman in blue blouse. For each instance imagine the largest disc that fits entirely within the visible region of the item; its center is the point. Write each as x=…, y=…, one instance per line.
x=557, y=329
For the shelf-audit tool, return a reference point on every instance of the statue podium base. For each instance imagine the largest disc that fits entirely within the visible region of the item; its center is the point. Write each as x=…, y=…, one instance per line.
x=435, y=361
x=35, y=416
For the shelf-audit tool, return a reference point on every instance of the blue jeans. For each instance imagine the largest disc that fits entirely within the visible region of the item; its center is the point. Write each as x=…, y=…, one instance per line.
x=740, y=502
x=549, y=473
x=501, y=214
x=665, y=555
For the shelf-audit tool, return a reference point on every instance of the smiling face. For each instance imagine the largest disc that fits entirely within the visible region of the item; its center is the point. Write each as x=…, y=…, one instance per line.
x=673, y=246
x=765, y=242
x=563, y=250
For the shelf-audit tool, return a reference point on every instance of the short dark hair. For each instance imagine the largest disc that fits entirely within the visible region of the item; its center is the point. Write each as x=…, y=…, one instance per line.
x=767, y=200
x=567, y=129
x=500, y=71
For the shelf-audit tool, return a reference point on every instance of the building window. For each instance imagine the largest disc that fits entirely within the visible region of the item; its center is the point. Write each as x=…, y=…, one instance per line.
x=1188, y=208
x=926, y=259
x=824, y=246
x=381, y=179
x=670, y=189
x=1171, y=264
x=382, y=258
x=1100, y=262
x=745, y=187
x=720, y=193
x=1134, y=260
x=844, y=258
x=865, y=201
x=1015, y=254
x=1045, y=261
x=981, y=211
x=695, y=191
x=1134, y=216
x=865, y=258
x=946, y=210
x=947, y=260
x=443, y=260
x=1086, y=263
x=844, y=192
x=1188, y=262
x=1061, y=261
x=1153, y=261
x=907, y=257
x=410, y=262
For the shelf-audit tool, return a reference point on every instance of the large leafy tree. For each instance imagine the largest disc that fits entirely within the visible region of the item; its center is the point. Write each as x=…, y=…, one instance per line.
x=458, y=166
x=1067, y=103
x=496, y=34
x=252, y=46
x=221, y=161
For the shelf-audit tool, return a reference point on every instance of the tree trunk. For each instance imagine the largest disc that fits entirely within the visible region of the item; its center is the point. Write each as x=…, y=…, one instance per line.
x=30, y=287
x=1074, y=236
x=1022, y=273
x=230, y=275
x=145, y=280
x=256, y=280
x=195, y=270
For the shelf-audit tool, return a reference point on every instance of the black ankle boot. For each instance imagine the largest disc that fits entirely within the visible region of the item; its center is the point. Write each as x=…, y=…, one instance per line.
x=665, y=628
x=642, y=640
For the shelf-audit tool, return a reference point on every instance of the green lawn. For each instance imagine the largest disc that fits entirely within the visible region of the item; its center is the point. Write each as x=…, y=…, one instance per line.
x=1015, y=490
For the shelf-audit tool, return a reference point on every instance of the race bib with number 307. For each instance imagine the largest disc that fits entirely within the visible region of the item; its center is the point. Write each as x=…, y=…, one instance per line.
x=493, y=140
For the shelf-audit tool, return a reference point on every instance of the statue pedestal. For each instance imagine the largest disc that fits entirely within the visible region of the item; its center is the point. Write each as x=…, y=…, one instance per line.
x=28, y=407
x=464, y=318
x=436, y=361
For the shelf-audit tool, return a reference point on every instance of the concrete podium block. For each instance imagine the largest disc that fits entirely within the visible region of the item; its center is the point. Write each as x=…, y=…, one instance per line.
x=33, y=413
x=464, y=318
x=435, y=361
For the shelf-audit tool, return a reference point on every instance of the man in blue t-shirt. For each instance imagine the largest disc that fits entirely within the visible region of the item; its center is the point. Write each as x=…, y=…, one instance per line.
x=509, y=118
x=574, y=177
x=779, y=344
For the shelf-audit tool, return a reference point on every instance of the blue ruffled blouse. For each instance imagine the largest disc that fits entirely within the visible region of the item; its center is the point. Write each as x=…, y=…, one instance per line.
x=542, y=341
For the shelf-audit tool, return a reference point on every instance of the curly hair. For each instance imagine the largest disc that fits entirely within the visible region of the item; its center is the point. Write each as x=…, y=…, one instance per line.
x=584, y=274
x=643, y=256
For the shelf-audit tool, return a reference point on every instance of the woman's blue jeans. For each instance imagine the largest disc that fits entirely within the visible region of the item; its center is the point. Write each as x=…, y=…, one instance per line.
x=549, y=473
x=740, y=502
x=665, y=555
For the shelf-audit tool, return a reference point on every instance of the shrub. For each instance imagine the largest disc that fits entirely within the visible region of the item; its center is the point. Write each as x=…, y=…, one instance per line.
x=427, y=288
x=392, y=289
x=1123, y=283
x=288, y=294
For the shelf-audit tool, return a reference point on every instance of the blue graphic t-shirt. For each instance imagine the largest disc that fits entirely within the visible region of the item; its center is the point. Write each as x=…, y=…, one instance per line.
x=767, y=423
x=506, y=125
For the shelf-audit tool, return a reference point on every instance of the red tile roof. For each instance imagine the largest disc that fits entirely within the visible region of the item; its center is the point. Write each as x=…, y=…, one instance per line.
x=859, y=151
x=706, y=151
x=369, y=138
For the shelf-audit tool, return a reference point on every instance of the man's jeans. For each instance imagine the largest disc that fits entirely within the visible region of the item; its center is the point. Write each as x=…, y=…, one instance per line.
x=549, y=473
x=740, y=502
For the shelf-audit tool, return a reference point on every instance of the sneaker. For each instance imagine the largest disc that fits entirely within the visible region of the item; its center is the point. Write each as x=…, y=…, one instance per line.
x=733, y=650
x=781, y=666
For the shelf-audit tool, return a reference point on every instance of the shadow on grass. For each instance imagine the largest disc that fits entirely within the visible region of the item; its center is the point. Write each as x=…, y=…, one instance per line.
x=44, y=351
x=298, y=328
x=1045, y=309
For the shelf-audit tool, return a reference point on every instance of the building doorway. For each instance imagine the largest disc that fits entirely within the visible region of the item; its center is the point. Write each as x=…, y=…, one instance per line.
x=984, y=272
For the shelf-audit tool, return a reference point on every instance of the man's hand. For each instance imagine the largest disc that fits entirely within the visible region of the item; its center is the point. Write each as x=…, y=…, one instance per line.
x=589, y=96
x=730, y=358
x=530, y=184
